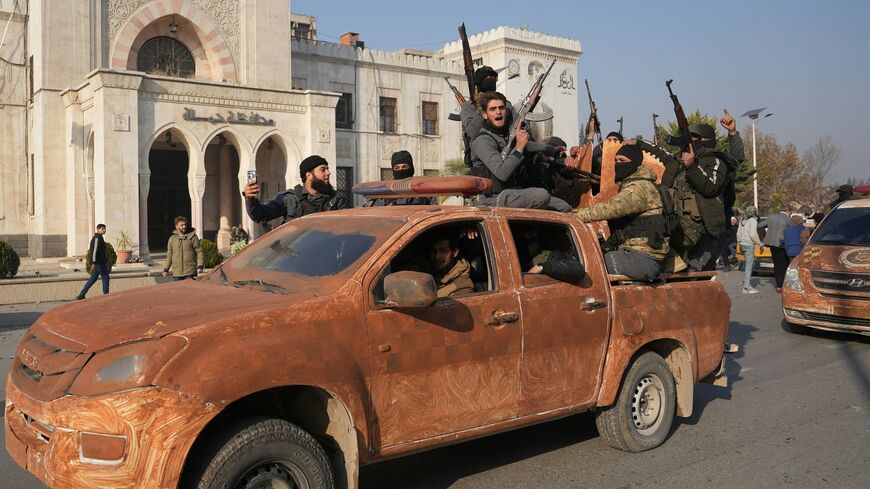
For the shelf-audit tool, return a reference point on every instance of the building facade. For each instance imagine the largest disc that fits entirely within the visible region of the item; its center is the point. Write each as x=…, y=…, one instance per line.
x=130, y=112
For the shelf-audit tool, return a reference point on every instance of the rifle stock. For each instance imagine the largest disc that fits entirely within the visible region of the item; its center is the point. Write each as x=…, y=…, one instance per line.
x=685, y=139
x=467, y=61
x=527, y=106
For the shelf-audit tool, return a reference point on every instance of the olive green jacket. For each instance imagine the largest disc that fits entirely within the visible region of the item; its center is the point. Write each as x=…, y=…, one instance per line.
x=183, y=254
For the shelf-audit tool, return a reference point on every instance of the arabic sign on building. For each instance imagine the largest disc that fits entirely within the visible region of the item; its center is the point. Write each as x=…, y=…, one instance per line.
x=252, y=119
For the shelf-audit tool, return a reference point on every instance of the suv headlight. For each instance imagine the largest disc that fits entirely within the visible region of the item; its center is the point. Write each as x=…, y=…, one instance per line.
x=793, y=279
x=126, y=366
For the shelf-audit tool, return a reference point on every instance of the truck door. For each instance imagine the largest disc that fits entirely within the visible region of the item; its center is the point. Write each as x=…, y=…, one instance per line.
x=565, y=324
x=451, y=366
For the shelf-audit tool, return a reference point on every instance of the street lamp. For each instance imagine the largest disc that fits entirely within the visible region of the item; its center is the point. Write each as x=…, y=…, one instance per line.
x=753, y=115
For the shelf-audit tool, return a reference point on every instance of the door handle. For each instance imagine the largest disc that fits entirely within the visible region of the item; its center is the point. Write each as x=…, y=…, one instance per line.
x=591, y=304
x=501, y=317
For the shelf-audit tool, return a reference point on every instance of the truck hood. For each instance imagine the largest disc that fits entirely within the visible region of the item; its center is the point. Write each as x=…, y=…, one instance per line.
x=854, y=259
x=150, y=312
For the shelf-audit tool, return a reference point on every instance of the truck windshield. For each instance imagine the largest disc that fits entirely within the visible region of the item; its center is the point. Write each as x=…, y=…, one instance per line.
x=309, y=253
x=849, y=227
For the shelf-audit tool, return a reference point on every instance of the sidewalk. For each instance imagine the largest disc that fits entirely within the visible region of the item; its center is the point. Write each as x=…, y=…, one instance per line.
x=61, y=279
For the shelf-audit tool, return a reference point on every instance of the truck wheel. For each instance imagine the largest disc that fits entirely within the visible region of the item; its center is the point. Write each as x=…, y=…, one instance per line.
x=271, y=453
x=642, y=415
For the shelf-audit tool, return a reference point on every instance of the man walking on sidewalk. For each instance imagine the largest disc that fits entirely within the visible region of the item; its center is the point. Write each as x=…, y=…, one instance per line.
x=99, y=262
x=776, y=225
x=184, y=256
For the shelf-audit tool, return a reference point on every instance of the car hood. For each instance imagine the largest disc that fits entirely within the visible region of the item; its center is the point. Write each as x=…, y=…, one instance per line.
x=150, y=312
x=853, y=259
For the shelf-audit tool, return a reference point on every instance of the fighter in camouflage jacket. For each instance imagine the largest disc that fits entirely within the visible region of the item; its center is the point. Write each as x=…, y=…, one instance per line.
x=637, y=197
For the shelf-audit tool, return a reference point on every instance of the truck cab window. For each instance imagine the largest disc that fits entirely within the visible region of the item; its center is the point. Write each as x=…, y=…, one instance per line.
x=455, y=254
x=546, y=249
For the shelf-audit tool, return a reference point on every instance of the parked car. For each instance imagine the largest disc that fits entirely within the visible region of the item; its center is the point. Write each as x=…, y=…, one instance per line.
x=827, y=286
x=318, y=349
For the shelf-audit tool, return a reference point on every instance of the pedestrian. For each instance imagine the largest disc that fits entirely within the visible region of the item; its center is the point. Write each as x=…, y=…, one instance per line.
x=315, y=194
x=747, y=238
x=99, y=262
x=184, y=256
x=791, y=237
x=776, y=224
x=635, y=215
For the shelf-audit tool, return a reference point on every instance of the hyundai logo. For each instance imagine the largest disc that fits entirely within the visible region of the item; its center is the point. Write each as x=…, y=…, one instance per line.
x=856, y=283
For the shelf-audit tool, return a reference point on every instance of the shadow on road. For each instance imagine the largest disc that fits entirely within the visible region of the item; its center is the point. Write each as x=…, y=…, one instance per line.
x=738, y=334
x=441, y=468
x=11, y=321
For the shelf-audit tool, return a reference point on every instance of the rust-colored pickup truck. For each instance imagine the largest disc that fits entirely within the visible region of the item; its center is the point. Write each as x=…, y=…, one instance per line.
x=318, y=349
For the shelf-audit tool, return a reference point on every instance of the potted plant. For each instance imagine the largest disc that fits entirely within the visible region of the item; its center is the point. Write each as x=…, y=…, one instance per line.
x=125, y=246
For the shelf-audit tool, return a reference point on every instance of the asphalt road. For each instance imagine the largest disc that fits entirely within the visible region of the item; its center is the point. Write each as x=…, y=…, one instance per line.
x=797, y=414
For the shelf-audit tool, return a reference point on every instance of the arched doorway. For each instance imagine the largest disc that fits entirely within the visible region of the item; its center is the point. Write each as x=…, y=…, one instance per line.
x=271, y=164
x=221, y=202
x=168, y=195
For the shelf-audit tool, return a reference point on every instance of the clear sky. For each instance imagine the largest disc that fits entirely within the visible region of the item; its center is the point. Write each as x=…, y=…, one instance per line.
x=807, y=61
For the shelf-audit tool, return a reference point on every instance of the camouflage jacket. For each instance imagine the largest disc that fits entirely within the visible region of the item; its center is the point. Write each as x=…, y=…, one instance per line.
x=638, y=197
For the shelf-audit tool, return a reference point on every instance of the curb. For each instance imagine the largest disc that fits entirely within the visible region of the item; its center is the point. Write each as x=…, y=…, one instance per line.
x=49, y=289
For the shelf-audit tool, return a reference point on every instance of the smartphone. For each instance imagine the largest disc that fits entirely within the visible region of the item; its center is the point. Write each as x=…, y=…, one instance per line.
x=252, y=176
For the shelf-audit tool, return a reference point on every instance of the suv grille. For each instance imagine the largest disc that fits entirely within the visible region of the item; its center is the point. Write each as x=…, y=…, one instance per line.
x=44, y=371
x=830, y=318
x=841, y=281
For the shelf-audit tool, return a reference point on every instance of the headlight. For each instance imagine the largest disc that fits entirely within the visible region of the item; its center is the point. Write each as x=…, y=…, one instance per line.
x=126, y=366
x=793, y=279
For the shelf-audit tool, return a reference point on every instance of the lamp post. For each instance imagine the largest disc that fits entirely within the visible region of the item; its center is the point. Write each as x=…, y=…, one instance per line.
x=753, y=116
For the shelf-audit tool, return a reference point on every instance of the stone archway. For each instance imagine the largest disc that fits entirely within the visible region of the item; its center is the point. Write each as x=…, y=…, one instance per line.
x=168, y=192
x=271, y=164
x=193, y=28
x=221, y=202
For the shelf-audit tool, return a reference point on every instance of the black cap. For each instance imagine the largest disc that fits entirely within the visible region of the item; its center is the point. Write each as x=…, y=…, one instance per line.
x=401, y=157
x=845, y=189
x=616, y=135
x=702, y=130
x=310, y=163
x=483, y=72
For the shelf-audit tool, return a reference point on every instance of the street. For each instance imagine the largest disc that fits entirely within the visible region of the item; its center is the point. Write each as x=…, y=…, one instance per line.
x=796, y=414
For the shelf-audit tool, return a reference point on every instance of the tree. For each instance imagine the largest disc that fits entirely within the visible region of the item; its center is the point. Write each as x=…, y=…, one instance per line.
x=818, y=161
x=780, y=172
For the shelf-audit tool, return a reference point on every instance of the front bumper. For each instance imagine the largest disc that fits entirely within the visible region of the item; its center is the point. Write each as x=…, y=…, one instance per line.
x=150, y=432
x=827, y=322
x=814, y=309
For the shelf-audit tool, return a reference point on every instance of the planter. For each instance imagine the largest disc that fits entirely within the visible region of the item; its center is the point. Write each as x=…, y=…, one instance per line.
x=124, y=255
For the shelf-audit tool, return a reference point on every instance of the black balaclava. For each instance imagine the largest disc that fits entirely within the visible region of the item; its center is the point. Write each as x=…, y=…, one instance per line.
x=623, y=170
x=704, y=131
x=482, y=83
x=402, y=157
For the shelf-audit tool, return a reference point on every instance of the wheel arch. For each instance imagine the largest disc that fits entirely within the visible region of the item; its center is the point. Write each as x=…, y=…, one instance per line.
x=679, y=361
x=316, y=410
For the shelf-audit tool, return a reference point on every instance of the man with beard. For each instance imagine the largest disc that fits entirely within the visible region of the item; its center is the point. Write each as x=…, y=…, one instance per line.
x=314, y=195
x=488, y=162
x=451, y=272
x=485, y=79
x=635, y=216
x=702, y=184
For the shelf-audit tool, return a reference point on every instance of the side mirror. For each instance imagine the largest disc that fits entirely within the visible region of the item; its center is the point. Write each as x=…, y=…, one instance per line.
x=409, y=289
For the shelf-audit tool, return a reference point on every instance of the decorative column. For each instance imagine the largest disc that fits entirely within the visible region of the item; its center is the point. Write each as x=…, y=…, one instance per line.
x=225, y=164
x=196, y=184
x=144, y=188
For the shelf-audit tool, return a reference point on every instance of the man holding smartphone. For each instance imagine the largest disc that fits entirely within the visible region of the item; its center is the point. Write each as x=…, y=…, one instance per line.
x=315, y=194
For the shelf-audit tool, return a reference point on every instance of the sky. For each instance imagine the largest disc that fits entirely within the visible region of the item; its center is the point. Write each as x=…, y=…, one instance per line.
x=807, y=61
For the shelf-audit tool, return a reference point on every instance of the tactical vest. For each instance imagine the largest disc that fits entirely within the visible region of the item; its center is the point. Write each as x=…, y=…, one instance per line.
x=480, y=170
x=305, y=206
x=654, y=228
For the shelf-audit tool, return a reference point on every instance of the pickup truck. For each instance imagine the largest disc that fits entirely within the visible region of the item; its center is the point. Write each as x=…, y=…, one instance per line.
x=317, y=350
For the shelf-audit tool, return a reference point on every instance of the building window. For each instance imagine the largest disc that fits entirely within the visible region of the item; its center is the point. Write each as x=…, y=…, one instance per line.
x=300, y=30
x=430, y=118
x=344, y=112
x=388, y=114
x=166, y=56
x=344, y=182
x=386, y=173
x=31, y=186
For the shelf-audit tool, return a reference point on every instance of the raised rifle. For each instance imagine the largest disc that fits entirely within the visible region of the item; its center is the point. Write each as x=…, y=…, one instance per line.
x=593, y=109
x=655, y=129
x=525, y=108
x=620, y=124
x=460, y=99
x=684, y=139
x=467, y=61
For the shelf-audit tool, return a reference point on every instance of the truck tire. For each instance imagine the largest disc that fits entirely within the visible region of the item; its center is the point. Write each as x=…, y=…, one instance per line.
x=642, y=415
x=265, y=452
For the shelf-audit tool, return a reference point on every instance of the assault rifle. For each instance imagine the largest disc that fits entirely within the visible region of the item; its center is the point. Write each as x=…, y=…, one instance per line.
x=559, y=165
x=620, y=125
x=655, y=129
x=684, y=139
x=467, y=61
x=593, y=112
x=523, y=111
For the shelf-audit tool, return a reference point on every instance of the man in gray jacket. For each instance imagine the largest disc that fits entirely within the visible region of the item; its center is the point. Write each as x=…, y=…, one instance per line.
x=488, y=162
x=776, y=224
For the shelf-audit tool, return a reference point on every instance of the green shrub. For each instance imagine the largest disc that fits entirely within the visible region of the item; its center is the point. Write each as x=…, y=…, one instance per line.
x=9, y=261
x=211, y=255
x=111, y=258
